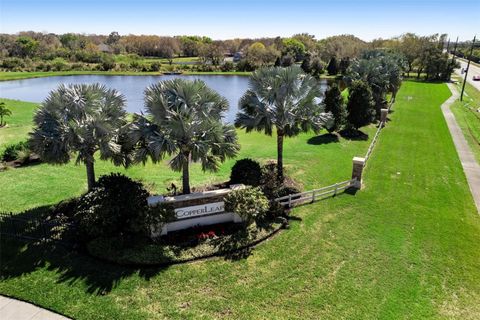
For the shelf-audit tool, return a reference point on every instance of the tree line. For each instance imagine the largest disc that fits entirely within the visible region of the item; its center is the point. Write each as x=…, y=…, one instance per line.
x=35, y=51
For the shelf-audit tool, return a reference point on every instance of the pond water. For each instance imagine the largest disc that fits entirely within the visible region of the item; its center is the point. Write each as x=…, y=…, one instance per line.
x=37, y=89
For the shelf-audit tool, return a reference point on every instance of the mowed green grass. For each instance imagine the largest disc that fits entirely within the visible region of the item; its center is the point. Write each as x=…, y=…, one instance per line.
x=18, y=124
x=468, y=118
x=404, y=247
x=310, y=160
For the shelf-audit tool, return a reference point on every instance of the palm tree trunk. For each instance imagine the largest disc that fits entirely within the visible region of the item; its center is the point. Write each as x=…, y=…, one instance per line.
x=90, y=174
x=280, y=156
x=186, y=175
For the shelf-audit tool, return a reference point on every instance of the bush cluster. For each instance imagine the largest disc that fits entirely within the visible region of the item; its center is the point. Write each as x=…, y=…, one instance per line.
x=249, y=203
x=17, y=151
x=117, y=205
x=249, y=172
x=246, y=171
x=271, y=186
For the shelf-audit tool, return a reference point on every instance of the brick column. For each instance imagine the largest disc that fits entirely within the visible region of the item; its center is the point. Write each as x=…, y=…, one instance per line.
x=357, y=170
x=383, y=115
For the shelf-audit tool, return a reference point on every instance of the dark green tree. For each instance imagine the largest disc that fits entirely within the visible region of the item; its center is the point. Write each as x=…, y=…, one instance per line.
x=317, y=66
x=343, y=65
x=360, y=106
x=306, y=64
x=336, y=106
x=332, y=67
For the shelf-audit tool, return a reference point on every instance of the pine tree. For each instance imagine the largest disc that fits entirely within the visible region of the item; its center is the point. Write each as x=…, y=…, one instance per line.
x=334, y=103
x=360, y=106
x=332, y=67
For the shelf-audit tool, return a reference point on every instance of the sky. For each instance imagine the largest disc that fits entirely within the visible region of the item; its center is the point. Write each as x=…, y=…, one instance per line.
x=368, y=19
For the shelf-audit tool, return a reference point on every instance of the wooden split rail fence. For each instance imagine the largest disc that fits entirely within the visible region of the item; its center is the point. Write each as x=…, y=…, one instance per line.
x=332, y=190
x=314, y=195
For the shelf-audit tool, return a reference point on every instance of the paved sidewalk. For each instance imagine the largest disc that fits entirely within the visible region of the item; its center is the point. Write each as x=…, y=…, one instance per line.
x=469, y=164
x=11, y=309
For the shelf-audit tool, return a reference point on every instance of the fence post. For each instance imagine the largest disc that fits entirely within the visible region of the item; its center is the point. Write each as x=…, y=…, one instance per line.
x=383, y=116
x=358, y=164
x=313, y=196
x=290, y=200
x=335, y=191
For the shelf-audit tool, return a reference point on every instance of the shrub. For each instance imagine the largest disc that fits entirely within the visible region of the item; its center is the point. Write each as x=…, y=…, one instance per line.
x=135, y=65
x=244, y=65
x=155, y=66
x=269, y=181
x=286, y=190
x=275, y=210
x=157, y=216
x=246, y=171
x=12, y=63
x=107, y=63
x=15, y=151
x=250, y=204
x=59, y=64
x=117, y=205
x=227, y=66
x=65, y=208
x=77, y=66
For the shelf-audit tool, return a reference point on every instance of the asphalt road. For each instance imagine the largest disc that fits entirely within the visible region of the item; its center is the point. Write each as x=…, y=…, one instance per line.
x=473, y=71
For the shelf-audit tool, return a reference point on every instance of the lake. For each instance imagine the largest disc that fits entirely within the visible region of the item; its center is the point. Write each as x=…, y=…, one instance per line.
x=37, y=89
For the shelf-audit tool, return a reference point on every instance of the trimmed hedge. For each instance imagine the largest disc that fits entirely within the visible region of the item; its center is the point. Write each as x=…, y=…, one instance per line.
x=246, y=171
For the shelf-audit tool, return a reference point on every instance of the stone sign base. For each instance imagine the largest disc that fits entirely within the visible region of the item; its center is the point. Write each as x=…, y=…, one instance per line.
x=200, y=221
x=196, y=209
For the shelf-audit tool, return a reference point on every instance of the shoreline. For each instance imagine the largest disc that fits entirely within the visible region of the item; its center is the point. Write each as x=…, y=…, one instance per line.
x=21, y=75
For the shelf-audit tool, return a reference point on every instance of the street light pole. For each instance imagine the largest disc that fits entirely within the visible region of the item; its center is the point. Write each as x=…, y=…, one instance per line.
x=468, y=67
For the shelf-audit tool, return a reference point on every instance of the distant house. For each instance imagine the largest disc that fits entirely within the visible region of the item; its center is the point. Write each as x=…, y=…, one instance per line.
x=237, y=56
x=102, y=47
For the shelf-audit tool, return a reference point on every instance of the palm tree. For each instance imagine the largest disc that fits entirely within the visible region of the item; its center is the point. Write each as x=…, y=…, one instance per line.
x=79, y=120
x=4, y=112
x=286, y=99
x=184, y=120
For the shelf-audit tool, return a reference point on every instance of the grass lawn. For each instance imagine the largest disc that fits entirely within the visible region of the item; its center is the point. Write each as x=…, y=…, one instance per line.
x=18, y=124
x=468, y=117
x=404, y=247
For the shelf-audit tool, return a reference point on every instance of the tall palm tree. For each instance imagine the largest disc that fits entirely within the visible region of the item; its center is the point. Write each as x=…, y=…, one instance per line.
x=286, y=99
x=184, y=120
x=79, y=120
x=4, y=112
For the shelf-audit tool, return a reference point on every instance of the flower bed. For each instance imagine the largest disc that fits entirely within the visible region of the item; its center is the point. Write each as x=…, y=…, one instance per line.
x=185, y=245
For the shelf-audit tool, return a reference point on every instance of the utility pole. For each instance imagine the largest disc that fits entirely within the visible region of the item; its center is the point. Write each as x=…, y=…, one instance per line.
x=468, y=67
x=454, y=50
